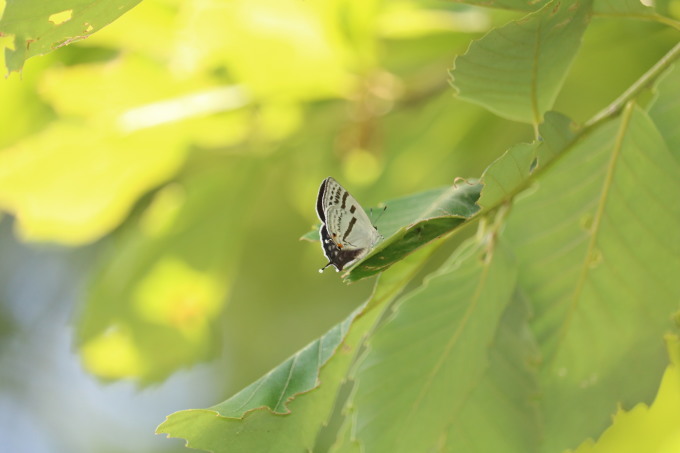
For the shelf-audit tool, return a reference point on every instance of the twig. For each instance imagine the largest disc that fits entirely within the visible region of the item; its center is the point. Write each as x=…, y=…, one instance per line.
x=635, y=89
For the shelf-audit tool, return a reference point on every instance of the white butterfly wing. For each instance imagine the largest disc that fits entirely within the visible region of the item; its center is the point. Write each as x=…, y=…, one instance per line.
x=347, y=233
x=351, y=228
x=331, y=193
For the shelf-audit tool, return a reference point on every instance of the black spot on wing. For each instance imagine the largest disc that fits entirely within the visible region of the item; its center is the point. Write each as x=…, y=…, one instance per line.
x=319, y=200
x=336, y=256
x=349, y=228
x=344, y=199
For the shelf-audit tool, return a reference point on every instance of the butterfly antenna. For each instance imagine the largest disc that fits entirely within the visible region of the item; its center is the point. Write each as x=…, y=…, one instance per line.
x=379, y=216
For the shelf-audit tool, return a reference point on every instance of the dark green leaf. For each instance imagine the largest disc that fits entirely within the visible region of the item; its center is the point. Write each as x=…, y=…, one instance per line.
x=415, y=221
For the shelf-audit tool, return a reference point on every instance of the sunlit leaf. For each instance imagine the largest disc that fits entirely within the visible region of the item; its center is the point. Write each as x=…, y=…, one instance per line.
x=424, y=363
x=409, y=20
x=78, y=179
x=647, y=428
x=66, y=186
x=131, y=94
x=597, y=240
x=287, y=407
x=166, y=279
x=40, y=27
x=301, y=42
x=517, y=71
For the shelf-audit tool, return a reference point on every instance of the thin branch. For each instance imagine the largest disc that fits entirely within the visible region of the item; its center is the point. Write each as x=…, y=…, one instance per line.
x=635, y=89
x=651, y=17
x=609, y=112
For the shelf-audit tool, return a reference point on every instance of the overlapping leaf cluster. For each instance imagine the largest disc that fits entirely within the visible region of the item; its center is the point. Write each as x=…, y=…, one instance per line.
x=535, y=332
x=528, y=338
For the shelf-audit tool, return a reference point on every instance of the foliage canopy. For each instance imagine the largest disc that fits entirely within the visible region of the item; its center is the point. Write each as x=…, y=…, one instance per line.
x=528, y=335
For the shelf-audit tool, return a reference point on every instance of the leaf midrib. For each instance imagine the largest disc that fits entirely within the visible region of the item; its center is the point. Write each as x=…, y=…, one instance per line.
x=453, y=341
x=595, y=230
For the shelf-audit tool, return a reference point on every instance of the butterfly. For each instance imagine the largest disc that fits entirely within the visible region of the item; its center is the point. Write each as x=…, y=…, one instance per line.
x=347, y=234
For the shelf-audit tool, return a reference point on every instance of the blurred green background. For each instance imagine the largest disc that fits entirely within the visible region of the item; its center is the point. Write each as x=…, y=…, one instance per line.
x=155, y=179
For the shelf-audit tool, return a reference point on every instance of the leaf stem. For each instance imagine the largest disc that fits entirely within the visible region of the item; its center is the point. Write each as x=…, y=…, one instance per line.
x=650, y=17
x=635, y=89
x=605, y=114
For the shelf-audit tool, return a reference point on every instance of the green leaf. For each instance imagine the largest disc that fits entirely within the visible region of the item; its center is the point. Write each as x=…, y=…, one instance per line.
x=517, y=5
x=411, y=222
x=517, y=71
x=625, y=8
x=609, y=7
x=40, y=27
x=505, y=402
x=647, y=428
x=70, y=187
x=152, y=305
x=665, y=110
x=510, y=173
x=284, y=410
x=426, y=360
x=414, y=221
x=504, y=177
x=557, y=133
x=598, y=243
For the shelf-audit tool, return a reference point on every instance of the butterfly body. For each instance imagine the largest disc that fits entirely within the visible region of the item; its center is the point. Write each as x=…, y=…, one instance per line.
x=346, y=232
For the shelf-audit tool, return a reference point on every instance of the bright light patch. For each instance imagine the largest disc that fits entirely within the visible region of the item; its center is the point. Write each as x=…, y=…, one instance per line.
x=60, y=18
x=161, y=214
x=112, y=355
x=406, y=20
x=207, y=102
x=361, y=167
x=176, y=295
